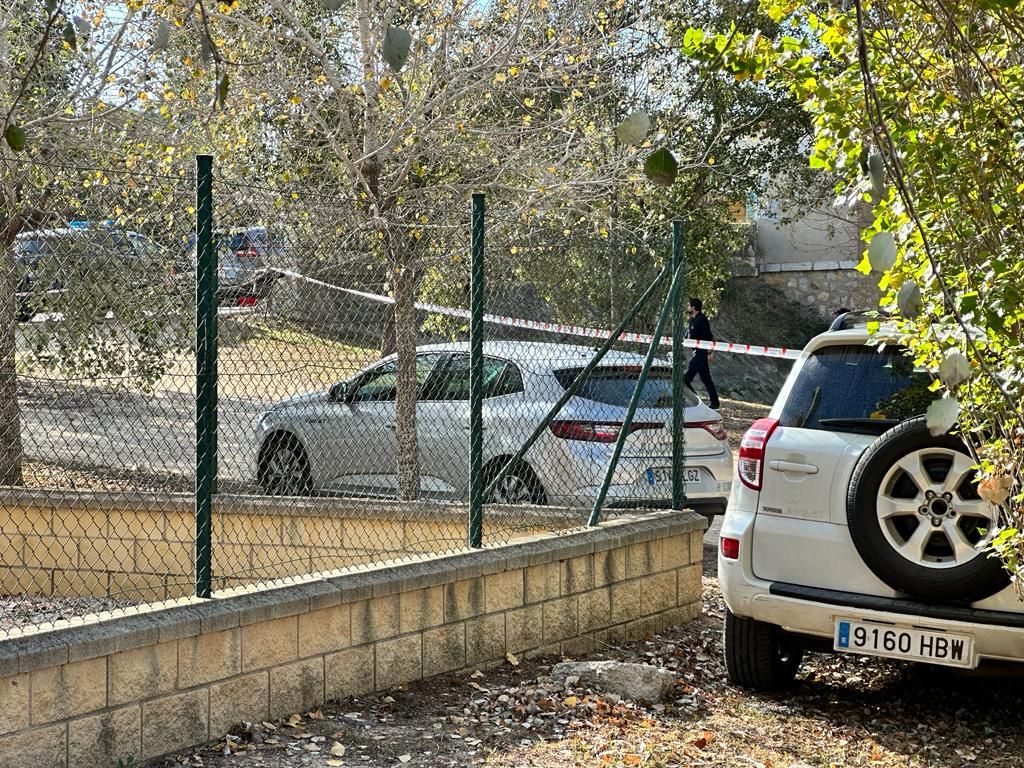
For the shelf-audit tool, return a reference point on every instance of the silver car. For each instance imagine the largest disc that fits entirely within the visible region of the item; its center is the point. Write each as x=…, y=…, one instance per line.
x=342, y=441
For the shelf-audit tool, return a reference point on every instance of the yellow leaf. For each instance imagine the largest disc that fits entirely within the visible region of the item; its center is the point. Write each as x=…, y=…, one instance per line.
x=295, y=100
x=385, y=84
x=500, y=77
x=570, y=701
x=338, y=749
x=528, y=101
x=510, y=657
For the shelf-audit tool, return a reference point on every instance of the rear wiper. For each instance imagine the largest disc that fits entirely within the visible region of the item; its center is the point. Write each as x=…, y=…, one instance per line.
x=875, y=426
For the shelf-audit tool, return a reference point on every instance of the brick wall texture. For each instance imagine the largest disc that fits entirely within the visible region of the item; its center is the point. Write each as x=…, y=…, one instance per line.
x=169, y=676
x=141, y=548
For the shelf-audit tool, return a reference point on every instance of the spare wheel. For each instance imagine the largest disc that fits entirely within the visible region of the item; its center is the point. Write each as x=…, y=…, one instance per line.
x=917, y=520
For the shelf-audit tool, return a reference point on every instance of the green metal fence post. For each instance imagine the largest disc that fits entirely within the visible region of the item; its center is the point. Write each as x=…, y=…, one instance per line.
x=577, y=383
x=476, y=376
x=206, y=373
x=634, y=400
x=678, y=372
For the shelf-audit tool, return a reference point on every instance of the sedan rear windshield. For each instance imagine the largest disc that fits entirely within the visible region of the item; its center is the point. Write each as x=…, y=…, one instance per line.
x=615, y=386
x=839, y=386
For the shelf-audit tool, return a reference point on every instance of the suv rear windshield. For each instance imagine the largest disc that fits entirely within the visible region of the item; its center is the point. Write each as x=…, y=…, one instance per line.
x=615, y=386
x=855, y=382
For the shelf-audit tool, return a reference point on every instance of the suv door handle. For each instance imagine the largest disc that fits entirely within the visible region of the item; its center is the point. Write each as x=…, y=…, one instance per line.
x=789, y=466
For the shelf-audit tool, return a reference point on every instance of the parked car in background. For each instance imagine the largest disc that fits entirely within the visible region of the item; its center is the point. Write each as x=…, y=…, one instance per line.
x=851, y=528
x=48, y=262
x=343, y=440
x=247, y=258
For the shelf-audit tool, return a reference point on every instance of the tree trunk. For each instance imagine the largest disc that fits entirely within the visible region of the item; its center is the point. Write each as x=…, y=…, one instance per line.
x=10, y=416
x=387, y=337
x=406, y=448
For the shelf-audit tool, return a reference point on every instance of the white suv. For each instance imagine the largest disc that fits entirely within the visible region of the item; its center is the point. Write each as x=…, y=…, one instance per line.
x=851, y=528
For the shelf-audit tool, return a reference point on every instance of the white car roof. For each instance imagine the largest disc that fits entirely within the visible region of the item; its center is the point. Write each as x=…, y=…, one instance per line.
x=535, y=354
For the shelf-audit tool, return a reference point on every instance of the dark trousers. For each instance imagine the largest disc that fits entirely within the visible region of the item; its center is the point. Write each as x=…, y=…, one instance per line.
x=699, y=367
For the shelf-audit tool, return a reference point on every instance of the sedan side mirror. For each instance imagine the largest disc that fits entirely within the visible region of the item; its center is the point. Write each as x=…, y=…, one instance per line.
x=340, y=393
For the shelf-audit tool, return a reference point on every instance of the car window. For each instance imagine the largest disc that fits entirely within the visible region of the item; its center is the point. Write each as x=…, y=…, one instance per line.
x=856, y=382
x=380, y=384
x=452, y=383
x=29, y=251
x=614, y=385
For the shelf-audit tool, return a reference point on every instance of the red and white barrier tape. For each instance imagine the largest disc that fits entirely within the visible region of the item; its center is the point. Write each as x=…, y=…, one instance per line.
x=570, y=330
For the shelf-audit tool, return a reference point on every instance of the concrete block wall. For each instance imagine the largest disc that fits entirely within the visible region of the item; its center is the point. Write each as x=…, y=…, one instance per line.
x=162, y=678
x=139, y=547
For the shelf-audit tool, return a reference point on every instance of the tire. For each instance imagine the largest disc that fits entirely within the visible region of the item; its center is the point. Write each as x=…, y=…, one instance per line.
x=284, y=467
x=759, y=656
x=520, y=486
x=916, y=519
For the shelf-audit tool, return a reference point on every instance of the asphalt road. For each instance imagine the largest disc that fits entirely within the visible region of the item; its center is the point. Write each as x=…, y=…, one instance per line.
x=87, y=427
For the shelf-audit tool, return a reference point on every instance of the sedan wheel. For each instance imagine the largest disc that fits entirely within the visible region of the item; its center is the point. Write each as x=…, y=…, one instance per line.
x=285, y=469
x=519, y=486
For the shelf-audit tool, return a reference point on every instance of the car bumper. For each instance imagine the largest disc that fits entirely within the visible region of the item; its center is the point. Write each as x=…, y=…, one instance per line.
x=997, y=635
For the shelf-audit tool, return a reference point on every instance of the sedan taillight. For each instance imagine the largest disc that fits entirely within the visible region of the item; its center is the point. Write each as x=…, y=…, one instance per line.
x=750, y=466
x=713, y=428
x=596, y=432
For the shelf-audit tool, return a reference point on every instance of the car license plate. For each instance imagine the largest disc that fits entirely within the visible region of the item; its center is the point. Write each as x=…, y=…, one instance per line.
x=663, y=476
x=954, y=650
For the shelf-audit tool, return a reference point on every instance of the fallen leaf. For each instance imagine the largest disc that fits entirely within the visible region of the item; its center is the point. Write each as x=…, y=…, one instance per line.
x=338, y=749
x=294, y=721
x=632, y=758
x=477, y=675
x=315, y=715
x=404, y=758
x=703, y=740
x=478, y=687
x=570, y=701
x=334, y=763
x=512, y=659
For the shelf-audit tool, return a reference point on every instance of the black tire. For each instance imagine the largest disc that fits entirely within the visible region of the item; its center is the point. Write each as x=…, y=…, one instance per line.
x=759, y=656
x=934, y=575
x=520, y=486
x=270, y=477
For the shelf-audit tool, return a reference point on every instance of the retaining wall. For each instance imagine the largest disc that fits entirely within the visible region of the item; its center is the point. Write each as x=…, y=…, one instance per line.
x=139, y=547
x=162, y=678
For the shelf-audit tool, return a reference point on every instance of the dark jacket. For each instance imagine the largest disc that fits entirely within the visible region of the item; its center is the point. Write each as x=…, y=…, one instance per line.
x=700, y=330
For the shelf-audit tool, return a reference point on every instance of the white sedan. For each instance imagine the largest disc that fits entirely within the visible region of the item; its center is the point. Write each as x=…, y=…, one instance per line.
x=342, y=441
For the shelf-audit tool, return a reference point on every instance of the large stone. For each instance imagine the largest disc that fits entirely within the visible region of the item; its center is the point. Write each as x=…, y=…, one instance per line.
x=639, y=682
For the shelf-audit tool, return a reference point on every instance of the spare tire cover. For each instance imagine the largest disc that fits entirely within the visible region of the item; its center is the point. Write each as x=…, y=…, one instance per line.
x=916, y=519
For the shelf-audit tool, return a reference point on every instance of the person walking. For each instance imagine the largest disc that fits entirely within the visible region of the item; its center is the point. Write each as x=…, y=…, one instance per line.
x=700, y=364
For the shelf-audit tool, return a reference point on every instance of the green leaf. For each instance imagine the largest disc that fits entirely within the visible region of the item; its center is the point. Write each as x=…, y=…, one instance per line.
x=882, y=252
x=222, y=89
x=51, y=6
x=661, y=167
x=909, y=299
x=876, y=167
x=634, y=128
x=162, y=37
x=69, y=35
x=395, y=50
x=15, y=137
x=941, y=415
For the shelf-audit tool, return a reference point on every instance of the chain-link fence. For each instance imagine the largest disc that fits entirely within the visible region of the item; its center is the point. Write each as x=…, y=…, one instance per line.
x=315, y=355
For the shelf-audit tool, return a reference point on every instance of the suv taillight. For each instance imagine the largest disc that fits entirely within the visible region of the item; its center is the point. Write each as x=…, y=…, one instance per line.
x=750, y=466
x=596, y=432
x=714, y=428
